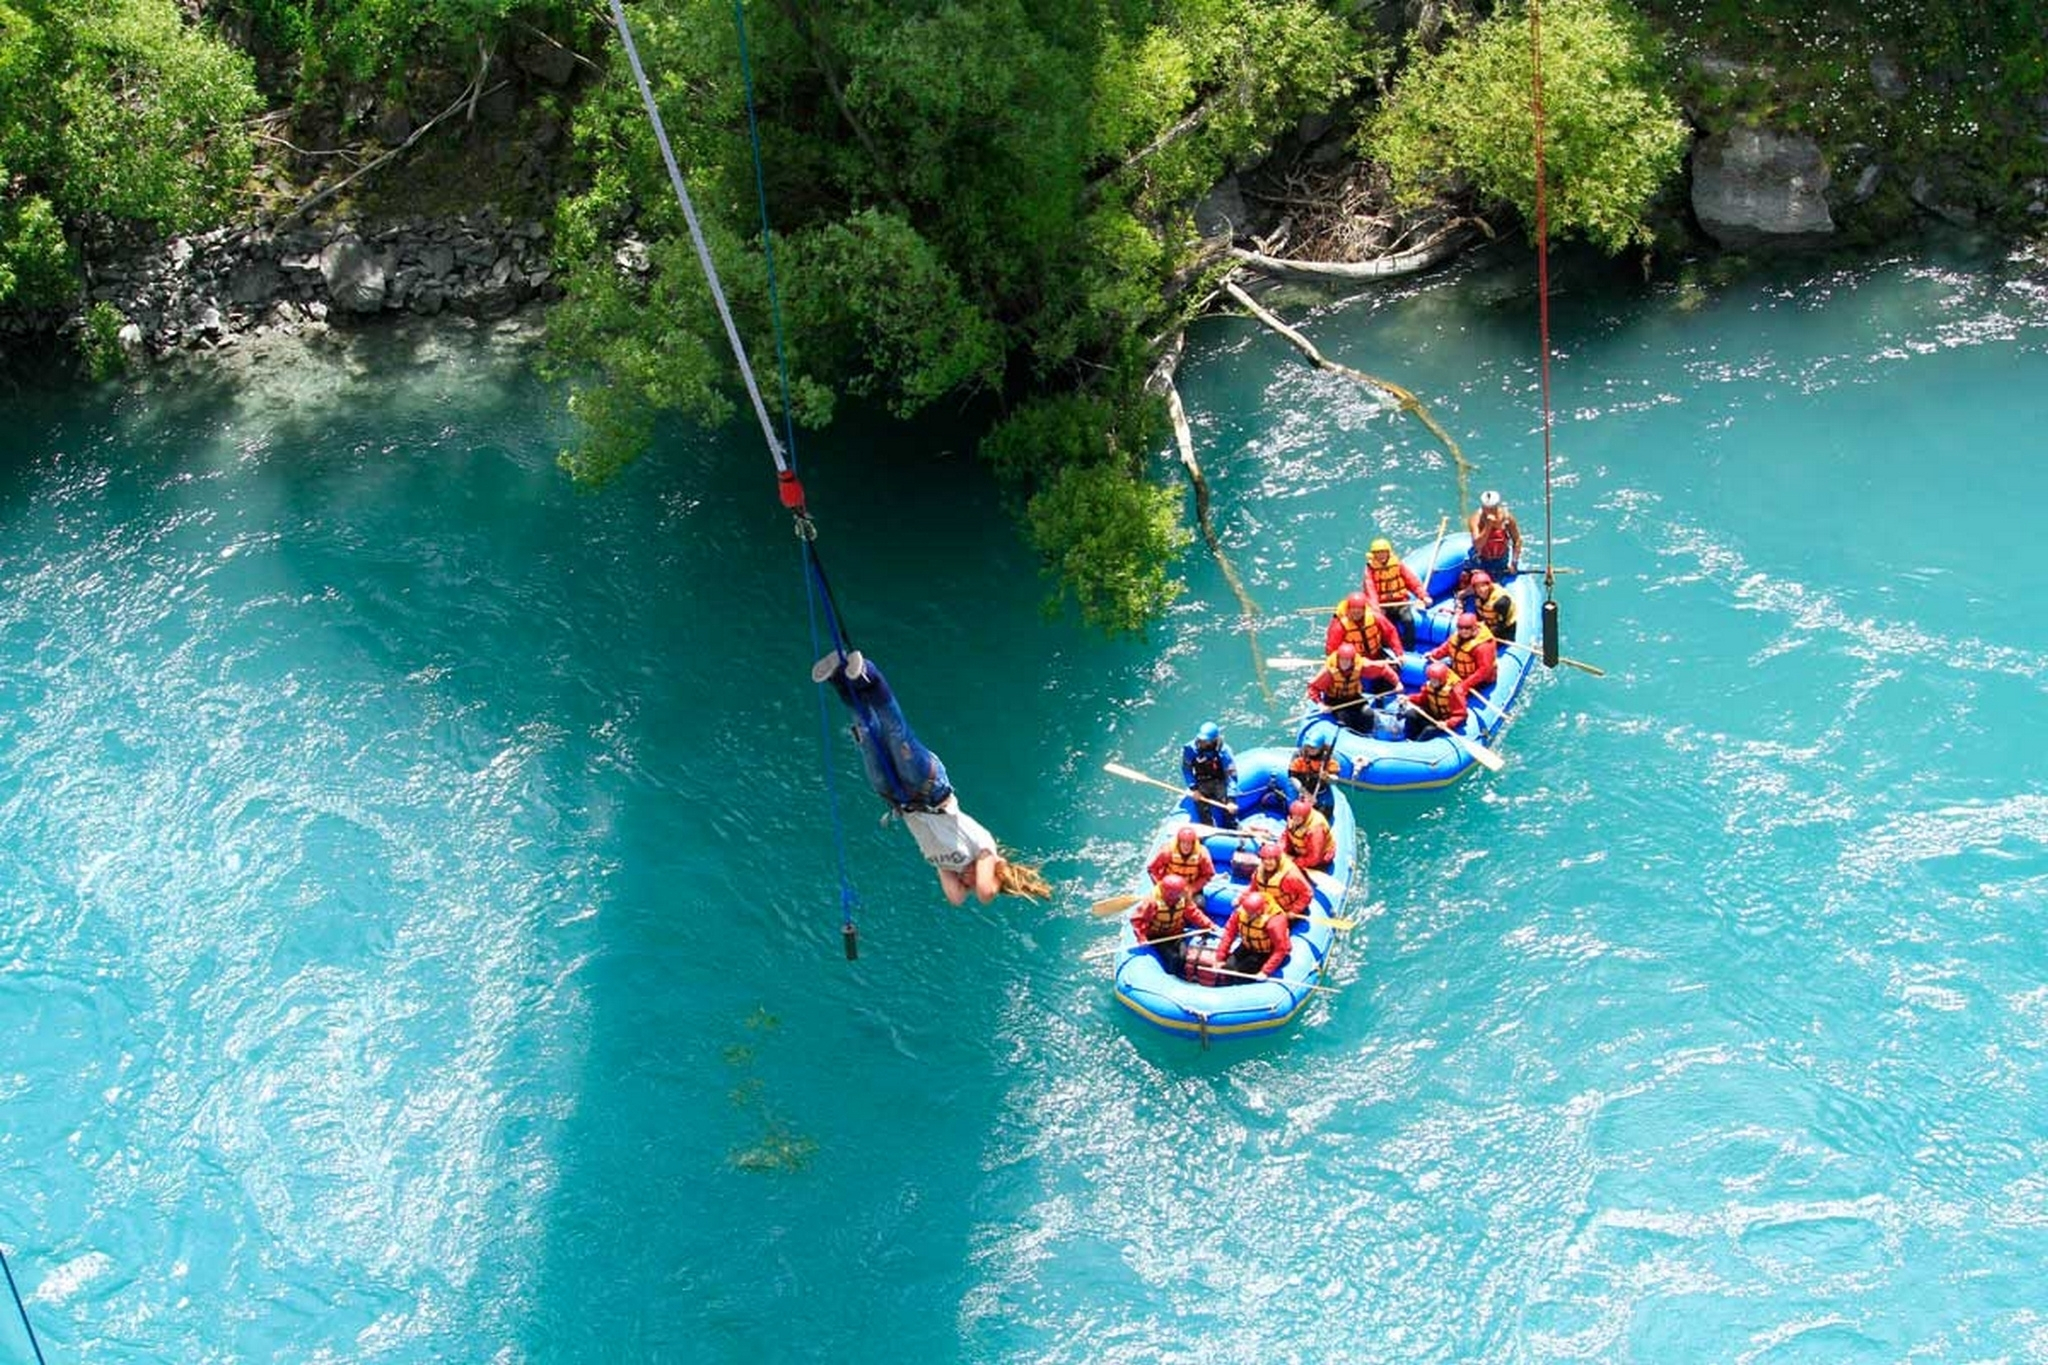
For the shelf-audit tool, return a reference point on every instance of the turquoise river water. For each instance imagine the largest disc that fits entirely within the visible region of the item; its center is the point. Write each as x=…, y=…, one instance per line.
x=421, y=915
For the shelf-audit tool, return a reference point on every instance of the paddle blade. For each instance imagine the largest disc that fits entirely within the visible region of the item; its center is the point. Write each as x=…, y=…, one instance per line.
x=1115, y=905
x=1483, y=756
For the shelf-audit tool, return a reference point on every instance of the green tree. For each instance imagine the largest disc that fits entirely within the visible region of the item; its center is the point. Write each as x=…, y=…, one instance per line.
x=1613, y=137
x=119, y=108
x=37, y=266
x=968, y=195
x=388, y=41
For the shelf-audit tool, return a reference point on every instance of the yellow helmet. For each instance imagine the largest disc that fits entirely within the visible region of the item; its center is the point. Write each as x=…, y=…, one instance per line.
x=1382, y=544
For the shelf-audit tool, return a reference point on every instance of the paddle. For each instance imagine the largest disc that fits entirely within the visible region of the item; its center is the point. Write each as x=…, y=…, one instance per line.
x=1115, y=905
x=1483, y=756
x=1568, y=663
x=1435, y=550
x=1134, y=775
x=1276, y=980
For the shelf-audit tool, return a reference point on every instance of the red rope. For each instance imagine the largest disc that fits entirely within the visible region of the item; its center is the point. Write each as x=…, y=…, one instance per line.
x=1542, y=273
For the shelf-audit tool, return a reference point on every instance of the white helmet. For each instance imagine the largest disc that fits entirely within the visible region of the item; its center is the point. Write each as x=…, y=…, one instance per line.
x=1489, y=499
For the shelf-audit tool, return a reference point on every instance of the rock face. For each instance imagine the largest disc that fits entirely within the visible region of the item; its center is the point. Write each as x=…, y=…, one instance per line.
x=1754, y=187
x=202, y=292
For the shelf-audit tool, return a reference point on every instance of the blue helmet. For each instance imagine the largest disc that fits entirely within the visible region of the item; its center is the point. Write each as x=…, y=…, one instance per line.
x=1208, y=733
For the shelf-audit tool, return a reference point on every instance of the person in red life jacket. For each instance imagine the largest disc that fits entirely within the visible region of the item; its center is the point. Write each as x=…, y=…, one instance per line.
x=1307, y=840
x=1471, y=653
x=1496, y=537
x=1313, y=772
x=1491, y=603
x=1442, y=698
x=1186, y=857
x=1358, y=623
x=1395, y=588
x=1255, y=939
x=1164, y=918
x=1342, y=686
x=1282, y=881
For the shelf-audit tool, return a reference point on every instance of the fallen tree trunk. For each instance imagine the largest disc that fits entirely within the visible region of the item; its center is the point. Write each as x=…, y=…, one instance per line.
x=1161, y=382
x=1433, y=252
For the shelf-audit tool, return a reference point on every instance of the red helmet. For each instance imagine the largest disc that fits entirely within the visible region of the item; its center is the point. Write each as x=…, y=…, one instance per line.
x=1481, y=579
x=1467, y=621
x=1358, y=601
x=1299, y=810
x=1173, y=886
x=1347, y=655
x=1253, y=901
x=1269, y=853
x=1184, y=836
x=1438, y=673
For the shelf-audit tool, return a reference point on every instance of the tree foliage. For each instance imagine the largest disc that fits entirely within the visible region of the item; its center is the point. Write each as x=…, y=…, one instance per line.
x=38, y=269
x=970, y=197
x=1613, y=137
x=387, y=41
x=120, y=109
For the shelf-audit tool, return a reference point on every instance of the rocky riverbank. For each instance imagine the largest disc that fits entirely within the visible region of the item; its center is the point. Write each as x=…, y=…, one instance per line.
x=213, y=290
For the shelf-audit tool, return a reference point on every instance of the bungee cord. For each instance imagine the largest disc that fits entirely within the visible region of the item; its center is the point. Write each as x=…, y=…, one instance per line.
x=819, y=599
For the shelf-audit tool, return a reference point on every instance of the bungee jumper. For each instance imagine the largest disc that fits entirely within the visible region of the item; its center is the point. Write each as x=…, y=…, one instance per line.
x=912, y=779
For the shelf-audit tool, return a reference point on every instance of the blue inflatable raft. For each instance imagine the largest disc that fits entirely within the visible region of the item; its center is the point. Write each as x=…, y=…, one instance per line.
x=1389, y=761
x=1240, y=1008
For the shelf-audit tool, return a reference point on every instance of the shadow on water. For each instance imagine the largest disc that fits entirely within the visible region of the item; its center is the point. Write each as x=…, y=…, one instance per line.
x=764, y=1159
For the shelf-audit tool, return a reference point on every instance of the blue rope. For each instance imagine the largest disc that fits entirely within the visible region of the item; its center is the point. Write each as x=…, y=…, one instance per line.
x=814, y=588
x=22, y=1309
x=815, y=584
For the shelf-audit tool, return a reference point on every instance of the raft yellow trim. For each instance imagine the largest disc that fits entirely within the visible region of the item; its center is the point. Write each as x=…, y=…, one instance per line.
x=1195, y=1028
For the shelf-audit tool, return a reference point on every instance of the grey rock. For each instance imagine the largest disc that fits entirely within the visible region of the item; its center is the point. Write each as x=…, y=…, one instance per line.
x=209, y=322
x=631, y=256
x=1866, y=183
x=392, y=126
x=1756, y=187
x=1887, y=79
x=317, y=311
x=497, y=108
x=357, y=277
x=437, y=261
x=1727, y=71
x=253, y=281
x=1222, y=210
x=552, y=63
x=1933, y=197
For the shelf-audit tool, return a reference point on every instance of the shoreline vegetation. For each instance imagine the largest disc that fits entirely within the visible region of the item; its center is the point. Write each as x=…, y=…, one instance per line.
x=1006, y=210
